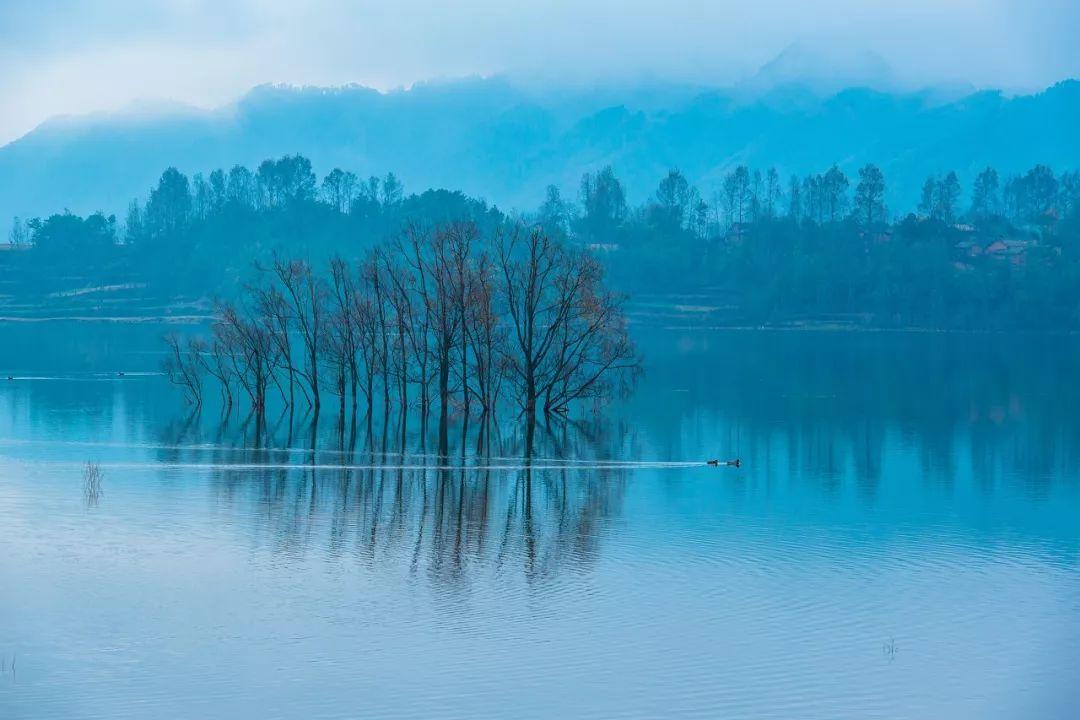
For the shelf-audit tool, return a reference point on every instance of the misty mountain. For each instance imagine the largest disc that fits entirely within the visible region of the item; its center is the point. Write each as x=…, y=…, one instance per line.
x=822, y=70
x=505, y=143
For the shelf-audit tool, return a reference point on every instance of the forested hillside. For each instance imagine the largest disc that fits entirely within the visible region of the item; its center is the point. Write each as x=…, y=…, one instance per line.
x=1002, y=252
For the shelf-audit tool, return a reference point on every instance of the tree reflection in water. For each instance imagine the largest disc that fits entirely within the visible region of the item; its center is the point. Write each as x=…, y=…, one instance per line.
x=442, y=516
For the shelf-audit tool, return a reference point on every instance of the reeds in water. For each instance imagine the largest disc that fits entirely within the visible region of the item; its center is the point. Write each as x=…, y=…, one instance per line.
x=92, y=484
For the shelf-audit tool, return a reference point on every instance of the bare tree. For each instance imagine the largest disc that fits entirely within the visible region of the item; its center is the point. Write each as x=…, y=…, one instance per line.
x=277, y=316
x=593, y=350
x=556, y=303
x=372, y=271
x=336, y=351
x=217, y=363
x=248, y=343
x=344, y=326
x=182, y=366
x=486, y=336
x=410, y=300
x=305, y=295
x=430, y=258
x=369, y=317
x=460, y=239
x=402, y=329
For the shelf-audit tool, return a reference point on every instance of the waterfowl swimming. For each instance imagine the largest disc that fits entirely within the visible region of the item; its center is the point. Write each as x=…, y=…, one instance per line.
x=120, y=374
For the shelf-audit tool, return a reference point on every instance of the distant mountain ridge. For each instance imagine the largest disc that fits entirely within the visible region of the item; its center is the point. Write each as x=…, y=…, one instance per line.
x=822, y=70
x=505, y=143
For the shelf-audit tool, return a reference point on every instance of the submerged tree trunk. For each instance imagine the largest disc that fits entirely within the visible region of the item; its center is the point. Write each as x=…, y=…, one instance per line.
x=444, y=403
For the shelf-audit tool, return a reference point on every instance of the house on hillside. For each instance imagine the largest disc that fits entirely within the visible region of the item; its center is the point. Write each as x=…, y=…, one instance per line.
x=602, y=247
x=1013, y=251
x=969, y=248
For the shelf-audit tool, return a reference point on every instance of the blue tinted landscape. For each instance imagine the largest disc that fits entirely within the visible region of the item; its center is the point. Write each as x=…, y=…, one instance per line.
x=492, y=361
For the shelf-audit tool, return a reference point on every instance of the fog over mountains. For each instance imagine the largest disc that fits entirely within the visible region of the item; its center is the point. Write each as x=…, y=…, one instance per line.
x=505, y=142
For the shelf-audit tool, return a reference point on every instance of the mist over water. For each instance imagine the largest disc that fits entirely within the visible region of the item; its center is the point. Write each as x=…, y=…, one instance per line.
x=900, y=541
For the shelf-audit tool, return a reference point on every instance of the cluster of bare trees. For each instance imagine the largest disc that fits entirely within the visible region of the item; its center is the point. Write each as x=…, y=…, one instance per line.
x=443, y=317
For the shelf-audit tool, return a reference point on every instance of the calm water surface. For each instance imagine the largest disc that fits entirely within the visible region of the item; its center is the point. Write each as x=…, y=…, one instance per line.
x=901, y=542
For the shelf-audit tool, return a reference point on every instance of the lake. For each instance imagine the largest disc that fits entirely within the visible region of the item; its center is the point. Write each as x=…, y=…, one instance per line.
x=900, y=541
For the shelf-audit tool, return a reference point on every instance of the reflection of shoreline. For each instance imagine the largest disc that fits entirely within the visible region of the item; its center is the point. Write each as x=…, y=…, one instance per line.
x=111, y=320
x=705, y=312
x=829, y=402
x=826, y=326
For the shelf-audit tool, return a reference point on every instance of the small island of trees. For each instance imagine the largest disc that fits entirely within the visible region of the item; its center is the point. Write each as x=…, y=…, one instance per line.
x=443, y=316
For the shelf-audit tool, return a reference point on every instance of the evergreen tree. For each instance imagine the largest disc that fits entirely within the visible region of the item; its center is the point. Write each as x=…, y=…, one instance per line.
x=870, y=196
x=985, y=195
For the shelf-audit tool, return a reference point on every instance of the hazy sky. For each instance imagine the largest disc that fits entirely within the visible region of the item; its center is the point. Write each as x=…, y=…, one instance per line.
x=67, y=56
